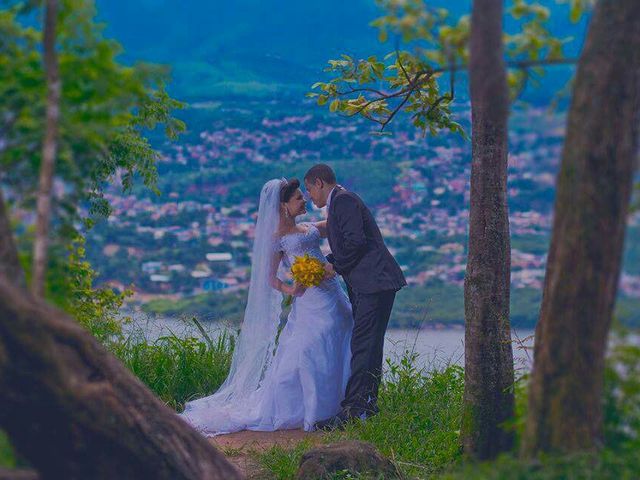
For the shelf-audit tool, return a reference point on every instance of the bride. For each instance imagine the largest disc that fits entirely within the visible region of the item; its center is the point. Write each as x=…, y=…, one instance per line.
x=305, y=379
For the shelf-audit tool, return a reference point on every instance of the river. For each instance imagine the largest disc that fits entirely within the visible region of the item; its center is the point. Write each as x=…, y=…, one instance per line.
x=435, y=348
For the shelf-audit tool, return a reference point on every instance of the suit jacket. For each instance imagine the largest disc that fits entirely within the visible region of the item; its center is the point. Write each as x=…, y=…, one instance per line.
x=358, y=252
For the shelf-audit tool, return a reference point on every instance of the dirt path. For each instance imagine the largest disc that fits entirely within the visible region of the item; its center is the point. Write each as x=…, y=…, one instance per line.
x=240, y=448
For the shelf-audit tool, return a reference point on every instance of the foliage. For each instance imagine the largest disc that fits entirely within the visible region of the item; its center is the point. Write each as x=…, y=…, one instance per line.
x=420, y=415
x=70, y=286
x=579, y=8
x=107, y=111
x=622, y=428
x=178, y=369
x=98, y=310
x=208, y=306
x=439, y=45
x=7, y=455
x=608, y=464
x=418, y=426
x=282, y=463
x=622, y=390
x=421, y=306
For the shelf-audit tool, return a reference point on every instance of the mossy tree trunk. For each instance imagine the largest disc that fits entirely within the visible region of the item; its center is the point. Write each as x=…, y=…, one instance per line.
x=72, y=410
x=583, y=267
x=488, y=398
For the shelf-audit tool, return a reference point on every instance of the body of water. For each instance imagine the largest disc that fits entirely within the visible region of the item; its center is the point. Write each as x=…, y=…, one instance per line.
x=435, y=348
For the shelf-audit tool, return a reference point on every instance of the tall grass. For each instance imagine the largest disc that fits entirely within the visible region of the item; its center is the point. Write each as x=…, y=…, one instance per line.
x=418, y=426
x=282, y=463
x=419, y=421
x=177, y=369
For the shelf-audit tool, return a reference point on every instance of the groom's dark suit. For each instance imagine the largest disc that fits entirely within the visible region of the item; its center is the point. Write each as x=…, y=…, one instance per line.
x=373, y=277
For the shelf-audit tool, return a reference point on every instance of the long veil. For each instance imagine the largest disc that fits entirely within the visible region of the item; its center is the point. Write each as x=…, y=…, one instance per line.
x=254, y=346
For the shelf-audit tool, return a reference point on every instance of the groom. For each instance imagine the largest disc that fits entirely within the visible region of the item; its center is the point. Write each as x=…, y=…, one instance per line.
x=372, y=277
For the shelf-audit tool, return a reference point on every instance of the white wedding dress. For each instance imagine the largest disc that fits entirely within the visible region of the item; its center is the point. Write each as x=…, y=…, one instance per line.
x=305, y=380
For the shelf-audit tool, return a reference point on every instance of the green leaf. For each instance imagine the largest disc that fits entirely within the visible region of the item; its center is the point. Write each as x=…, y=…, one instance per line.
x=576, y=12
x=334, y=105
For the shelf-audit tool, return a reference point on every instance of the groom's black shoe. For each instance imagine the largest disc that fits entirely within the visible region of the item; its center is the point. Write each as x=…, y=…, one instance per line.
x=335, y=423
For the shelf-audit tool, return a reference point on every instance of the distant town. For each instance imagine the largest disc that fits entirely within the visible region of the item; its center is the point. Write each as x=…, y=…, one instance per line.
x=196, y=237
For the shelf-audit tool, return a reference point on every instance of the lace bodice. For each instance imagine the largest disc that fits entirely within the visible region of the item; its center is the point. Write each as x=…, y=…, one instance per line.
x=297, y=244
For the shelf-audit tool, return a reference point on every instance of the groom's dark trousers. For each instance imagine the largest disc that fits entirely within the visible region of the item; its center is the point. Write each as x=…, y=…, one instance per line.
x=373, y=277
x=371, y=312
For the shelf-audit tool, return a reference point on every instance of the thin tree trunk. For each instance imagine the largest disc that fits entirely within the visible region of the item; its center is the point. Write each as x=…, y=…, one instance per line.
x=49, y=148
x=73, y=411
x=592, y=200
x=9, y=261
x=488, y=397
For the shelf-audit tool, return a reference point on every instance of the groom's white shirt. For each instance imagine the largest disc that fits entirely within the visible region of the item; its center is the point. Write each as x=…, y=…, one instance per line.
x=329, y=197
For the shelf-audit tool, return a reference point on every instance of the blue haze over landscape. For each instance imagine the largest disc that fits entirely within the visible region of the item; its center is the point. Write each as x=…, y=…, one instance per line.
x=243, y=67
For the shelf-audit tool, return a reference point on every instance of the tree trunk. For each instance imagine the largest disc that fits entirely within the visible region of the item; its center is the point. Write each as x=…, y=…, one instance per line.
x=18, y=474
x=73, y=411
x=583, y=267
x=49, y=147
x=9, y=263
x=488, y=397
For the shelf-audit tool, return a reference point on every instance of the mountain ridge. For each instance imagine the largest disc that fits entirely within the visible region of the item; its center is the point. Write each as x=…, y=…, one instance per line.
x=260, y=48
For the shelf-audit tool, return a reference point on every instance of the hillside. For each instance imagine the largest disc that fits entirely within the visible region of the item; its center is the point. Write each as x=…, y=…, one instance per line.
x=264, y=49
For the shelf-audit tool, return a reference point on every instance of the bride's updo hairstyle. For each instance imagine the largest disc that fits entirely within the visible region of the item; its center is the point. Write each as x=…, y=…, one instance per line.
x=288, y=188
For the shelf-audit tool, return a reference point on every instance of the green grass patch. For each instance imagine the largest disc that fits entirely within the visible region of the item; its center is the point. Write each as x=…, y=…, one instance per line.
x=178, y=369
x=281, y=463
x=418, y=426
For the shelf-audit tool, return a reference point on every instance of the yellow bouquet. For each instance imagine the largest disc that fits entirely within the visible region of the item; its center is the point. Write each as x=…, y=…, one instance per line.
x=307, y=271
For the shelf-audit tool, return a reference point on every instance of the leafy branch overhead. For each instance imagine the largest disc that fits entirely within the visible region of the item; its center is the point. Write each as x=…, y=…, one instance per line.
x=421, y=80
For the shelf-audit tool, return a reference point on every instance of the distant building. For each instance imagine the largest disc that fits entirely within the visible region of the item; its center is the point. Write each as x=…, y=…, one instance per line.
x=213, y=285
x=160, y=278
x=200, y=274
x=215, y=241
x=110, y=249
x=451, y=247
x=219, y=257
x=230, y=281
x=150, y=267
